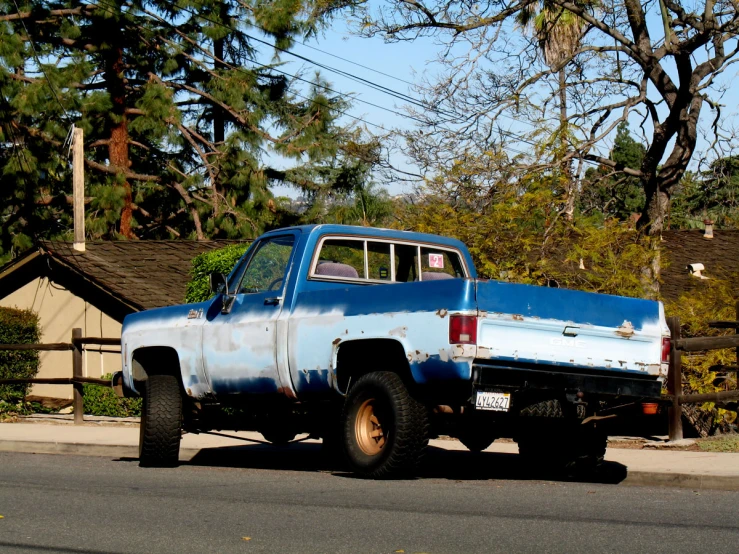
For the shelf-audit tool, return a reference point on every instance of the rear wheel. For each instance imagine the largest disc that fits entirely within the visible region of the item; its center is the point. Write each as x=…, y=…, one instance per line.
x=385, y=430
x=476, y=431
x=476, y=441
x=550, y=441
x=278, y=436
x=161, y=422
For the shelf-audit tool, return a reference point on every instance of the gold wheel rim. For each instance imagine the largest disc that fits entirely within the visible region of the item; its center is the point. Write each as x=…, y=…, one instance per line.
x=368, y=429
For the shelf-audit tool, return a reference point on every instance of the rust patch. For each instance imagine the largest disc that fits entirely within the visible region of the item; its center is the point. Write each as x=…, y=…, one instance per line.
x=517, y=317
x=626, y=330
x=336, y=341
x=287, y=391
x=442, y=312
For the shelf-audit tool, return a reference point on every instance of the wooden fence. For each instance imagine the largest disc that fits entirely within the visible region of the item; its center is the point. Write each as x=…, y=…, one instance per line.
x=675, y=375
x=76, y=346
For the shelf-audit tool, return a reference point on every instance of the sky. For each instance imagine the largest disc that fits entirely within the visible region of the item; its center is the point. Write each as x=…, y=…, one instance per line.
x=390, y=65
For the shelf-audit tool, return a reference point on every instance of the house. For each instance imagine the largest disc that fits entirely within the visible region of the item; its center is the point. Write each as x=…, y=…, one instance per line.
x=94, y=289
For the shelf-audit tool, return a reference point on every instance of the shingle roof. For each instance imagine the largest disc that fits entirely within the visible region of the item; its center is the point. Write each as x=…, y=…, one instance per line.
x=144, y=274
x=719, y=255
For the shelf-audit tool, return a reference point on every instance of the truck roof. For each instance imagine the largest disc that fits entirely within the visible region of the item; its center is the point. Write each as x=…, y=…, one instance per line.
x=375, y=232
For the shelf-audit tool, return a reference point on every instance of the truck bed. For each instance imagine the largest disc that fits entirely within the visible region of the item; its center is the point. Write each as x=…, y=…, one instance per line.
x=530, y=325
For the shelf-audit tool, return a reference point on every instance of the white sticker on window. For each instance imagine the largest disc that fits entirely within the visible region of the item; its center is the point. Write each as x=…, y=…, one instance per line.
x=436, y=260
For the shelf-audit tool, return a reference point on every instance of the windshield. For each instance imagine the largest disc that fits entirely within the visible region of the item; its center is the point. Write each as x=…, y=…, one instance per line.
x=268, y=265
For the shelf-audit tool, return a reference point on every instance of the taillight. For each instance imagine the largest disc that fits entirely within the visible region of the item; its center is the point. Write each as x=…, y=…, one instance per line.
x=666, y=344
x=463, y=329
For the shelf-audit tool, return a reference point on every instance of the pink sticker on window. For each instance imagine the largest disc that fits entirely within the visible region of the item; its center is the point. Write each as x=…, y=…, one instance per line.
x=436, y=260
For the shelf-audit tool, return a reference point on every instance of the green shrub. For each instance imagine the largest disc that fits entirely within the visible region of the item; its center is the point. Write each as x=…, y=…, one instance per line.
x=102, y=401
x=712, y=299
x=17, y=327
x=221, y=260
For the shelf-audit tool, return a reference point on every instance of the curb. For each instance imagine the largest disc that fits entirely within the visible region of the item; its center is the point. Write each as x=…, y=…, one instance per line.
x=682, y=481
x=82, y=449
x=634, y=478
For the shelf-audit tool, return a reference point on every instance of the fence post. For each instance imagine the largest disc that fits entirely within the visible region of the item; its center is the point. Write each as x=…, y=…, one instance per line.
x=675, y=382
x=79, y=406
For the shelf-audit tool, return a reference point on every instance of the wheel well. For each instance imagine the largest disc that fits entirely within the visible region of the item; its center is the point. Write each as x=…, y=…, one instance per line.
x=155, y=360
x=355, y=358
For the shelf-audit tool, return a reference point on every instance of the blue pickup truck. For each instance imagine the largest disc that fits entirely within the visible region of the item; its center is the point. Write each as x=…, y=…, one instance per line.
x=376, y=340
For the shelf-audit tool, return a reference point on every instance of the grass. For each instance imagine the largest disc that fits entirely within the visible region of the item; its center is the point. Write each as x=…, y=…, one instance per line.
x=724, y=443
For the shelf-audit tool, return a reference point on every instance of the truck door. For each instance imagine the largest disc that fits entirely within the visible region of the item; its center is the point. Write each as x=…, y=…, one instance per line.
x=239, y=347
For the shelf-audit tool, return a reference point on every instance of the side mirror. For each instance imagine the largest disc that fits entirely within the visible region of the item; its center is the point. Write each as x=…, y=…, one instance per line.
x=218, y=283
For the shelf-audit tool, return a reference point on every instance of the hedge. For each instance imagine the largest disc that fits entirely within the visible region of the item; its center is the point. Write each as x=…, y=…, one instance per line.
x=221, y=260
x=102, y=401
x=17, y=327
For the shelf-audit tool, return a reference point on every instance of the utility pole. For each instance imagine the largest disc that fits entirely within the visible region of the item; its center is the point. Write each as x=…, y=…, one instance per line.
x=78, y=181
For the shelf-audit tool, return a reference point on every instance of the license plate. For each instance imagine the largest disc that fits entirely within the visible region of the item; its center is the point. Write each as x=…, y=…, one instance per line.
x=495, y=401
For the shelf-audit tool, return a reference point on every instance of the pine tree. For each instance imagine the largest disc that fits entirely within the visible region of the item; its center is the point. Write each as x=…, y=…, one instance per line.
x=612, y=193
x=183, y=124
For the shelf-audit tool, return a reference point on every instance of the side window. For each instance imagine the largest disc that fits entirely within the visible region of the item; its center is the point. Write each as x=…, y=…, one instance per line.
x=378, y=261
x=268, y=266
x=440, y=264
x=406, y=263
x=341, y=258
x=345, y=258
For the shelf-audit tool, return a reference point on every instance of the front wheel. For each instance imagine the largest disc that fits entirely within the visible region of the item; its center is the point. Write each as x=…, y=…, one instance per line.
x=385, y=430
x=161, y=422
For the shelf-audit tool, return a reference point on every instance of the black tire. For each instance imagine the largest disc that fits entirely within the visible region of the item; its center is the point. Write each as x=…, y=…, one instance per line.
x=476, y=431
x=476, y=442
x=278, y=436
x=549, y=441
x=161, y=422
x=380, y=404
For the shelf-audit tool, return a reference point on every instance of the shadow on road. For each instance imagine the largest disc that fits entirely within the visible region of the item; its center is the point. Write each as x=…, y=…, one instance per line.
x=439, y=463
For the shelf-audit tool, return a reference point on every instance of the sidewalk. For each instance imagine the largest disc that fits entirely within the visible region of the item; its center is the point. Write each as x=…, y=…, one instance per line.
x=694, y=470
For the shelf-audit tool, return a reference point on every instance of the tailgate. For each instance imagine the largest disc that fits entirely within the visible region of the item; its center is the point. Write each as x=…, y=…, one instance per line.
x=539, y=325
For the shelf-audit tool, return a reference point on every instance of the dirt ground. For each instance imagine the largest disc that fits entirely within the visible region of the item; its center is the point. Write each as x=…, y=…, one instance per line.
x=723, y=443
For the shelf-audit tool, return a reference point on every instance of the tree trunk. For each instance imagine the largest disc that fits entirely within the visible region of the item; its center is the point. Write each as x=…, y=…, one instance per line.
x=570, y=189
x=659, y=186
x=118, y=146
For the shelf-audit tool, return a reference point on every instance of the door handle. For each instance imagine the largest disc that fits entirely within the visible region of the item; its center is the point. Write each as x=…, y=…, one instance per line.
x=274, y=301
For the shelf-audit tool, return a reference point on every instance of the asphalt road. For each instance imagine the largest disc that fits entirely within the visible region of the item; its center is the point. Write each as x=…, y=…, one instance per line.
x=231, y=503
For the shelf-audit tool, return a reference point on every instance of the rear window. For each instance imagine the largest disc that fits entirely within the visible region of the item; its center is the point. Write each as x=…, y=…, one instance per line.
x=359, y=259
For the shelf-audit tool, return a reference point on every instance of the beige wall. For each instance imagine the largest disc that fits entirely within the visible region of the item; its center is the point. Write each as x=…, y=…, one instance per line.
x=59, y=312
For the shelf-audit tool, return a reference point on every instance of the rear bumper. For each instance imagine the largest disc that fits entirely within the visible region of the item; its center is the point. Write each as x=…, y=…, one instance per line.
x=569, y=380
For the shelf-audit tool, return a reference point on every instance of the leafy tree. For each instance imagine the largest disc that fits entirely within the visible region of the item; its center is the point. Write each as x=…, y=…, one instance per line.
x=366, y=205
x=221, y=260
x=610, y=192
x=713, y=194
x=184, y=127
x=621, y=65
x=514, y=231
x=559, y=32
